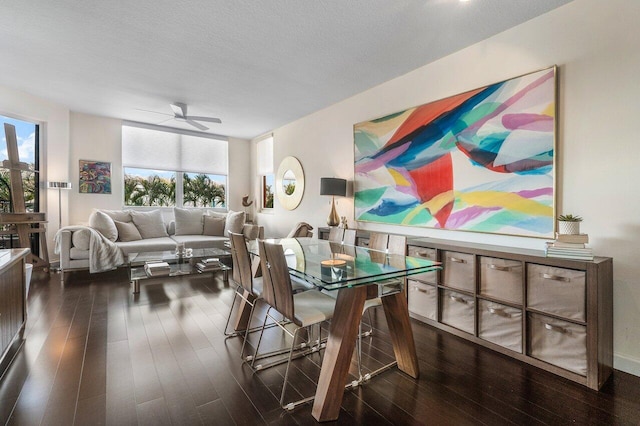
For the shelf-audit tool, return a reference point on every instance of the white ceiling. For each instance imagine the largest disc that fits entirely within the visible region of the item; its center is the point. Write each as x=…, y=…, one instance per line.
x=255, y=64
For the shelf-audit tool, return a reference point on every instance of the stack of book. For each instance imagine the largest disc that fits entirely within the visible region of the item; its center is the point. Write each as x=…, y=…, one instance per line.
x=157, y=269
x=568, y=246
x=210, y=264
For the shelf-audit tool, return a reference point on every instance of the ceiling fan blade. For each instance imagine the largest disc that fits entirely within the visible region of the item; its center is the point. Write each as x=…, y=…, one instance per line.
x=154, y=112
x=179, y=109
x=168, y=119
x=207, y=119
x=196, y=124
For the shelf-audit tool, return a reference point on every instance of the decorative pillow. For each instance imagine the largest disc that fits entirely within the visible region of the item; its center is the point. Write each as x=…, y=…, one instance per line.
x=81, y=238
x=150, y=224
x=188, y=221
x=214, y=225
x=121, y=215
x=103, y=223
x=234, y=223
x=127, y=231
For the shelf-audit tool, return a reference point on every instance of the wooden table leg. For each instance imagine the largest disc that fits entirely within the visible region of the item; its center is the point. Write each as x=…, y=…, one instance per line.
x=404, y=347
x=337, y=356
x=244, y=309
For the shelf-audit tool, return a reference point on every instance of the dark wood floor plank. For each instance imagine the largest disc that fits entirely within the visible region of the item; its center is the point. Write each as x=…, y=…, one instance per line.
x=201, y=388
x=63, y=399
x=92, y=411
x=95, y=354
x=490, y=379
x=120, y=398
x=93, y=383
x=154, y=412
x=145, y=376
x=227, y=351
x=180, y=404
x=238, y=404
x=215, y=412
x=34, y=396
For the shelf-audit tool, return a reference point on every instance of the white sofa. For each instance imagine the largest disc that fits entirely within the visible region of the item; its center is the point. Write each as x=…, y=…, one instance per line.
x=134, y=231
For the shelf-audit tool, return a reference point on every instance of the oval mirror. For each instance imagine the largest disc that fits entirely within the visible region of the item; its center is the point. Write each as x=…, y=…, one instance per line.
x=290, y=183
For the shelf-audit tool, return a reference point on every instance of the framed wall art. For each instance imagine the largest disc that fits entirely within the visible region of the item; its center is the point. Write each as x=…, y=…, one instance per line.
x=480, y=161
x=95, y=177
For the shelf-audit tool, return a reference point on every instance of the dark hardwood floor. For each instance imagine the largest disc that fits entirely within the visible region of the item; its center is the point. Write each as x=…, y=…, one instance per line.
x=93, y=354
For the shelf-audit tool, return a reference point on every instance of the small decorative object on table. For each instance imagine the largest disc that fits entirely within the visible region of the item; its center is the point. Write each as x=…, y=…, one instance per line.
x=569, y=242
x=569, y=224
x=157, y=268
x=210, y=264
x=343, y=222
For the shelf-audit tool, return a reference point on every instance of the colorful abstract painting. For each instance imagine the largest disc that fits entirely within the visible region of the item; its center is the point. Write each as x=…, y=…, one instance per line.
x=479, y=161
x=95, y=177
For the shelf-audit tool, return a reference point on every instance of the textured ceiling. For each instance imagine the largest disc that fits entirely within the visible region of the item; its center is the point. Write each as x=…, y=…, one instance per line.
x=255, y=64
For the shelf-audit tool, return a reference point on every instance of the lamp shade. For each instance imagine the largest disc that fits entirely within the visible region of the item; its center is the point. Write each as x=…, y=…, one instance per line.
x=333, y=186
x=59, y=185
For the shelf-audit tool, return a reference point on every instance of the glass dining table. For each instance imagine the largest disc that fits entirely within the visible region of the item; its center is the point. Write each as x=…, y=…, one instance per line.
x=357, y=274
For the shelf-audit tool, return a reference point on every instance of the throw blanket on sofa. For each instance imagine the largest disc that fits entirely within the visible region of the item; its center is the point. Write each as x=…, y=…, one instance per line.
x=104, y=255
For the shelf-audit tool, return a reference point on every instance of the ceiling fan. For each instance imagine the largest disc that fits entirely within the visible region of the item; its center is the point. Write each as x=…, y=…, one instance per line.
x=180, y=114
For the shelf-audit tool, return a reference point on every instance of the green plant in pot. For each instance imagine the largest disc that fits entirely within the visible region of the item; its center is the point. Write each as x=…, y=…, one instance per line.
x=569, y=224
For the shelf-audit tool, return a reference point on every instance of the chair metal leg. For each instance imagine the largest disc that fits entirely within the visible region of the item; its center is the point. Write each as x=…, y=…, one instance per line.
x=248, y=330
x=233, y=302
x=266, y=317
x=370, y=331
x=305, y=347
x=291, y=405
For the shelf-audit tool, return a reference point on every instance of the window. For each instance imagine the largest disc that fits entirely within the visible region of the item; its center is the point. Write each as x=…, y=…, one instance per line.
x=267, y=191
x=167, y=168
x=265, y=171
x=27, y=137
x=203, y=190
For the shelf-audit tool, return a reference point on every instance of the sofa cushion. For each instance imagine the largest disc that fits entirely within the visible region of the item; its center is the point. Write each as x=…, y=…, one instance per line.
x=148, y=244
x=234, y=223
x=188, y=221
x=77, y=254
x=214, y=225
x=150, y=224
x=200, y=241
x=81, y=238
x=121, y=215
x=127, y=231
x=103, y=223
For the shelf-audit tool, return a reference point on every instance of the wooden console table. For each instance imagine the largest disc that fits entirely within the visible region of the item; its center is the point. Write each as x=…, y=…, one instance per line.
x=13, y=312
x=555, y=314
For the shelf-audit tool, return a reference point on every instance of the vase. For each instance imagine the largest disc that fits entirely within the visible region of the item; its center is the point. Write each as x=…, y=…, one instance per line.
x=568, y=228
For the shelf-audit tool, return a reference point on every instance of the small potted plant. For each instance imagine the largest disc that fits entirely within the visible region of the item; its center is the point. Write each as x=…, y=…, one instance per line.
x=569, y=224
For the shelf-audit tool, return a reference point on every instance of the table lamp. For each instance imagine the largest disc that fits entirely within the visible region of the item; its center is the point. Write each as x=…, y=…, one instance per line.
x=333, y=187
x=59, y=186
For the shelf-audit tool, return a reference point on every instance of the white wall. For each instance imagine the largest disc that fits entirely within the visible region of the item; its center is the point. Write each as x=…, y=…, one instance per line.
x=54, y=147
x=595, y=44
x=99, y=139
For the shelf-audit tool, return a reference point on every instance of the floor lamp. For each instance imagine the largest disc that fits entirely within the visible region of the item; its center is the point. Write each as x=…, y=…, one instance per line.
x=59, y=186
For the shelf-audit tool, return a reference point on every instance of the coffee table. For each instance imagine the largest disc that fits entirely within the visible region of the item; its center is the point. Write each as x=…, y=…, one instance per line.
x=179, y=264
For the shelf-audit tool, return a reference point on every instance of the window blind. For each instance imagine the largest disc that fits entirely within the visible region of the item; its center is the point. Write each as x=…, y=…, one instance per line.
x=265, y=156
x=146, y=147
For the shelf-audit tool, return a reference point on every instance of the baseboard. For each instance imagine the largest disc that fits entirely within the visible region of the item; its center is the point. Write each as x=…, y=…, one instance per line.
x=627, y=364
